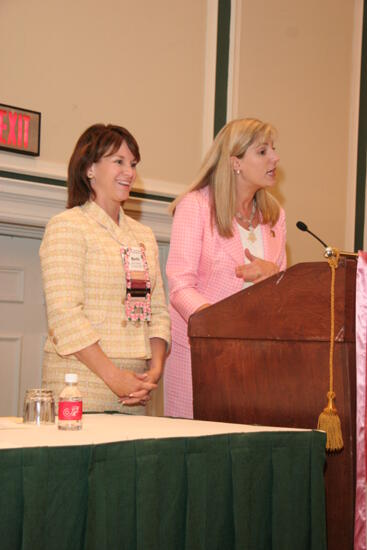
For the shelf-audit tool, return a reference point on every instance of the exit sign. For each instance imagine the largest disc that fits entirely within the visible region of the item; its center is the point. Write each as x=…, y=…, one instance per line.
x=20, y=130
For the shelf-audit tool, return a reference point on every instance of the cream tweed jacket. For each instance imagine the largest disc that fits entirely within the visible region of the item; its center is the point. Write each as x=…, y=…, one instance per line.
x=84, y=284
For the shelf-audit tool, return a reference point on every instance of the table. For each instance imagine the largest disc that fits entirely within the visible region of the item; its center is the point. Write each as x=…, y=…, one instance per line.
x=144, y=483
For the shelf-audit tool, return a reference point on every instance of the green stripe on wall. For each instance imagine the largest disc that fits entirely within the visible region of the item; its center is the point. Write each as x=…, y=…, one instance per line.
x=362, y=143
x=221, y=77
x=34, y=179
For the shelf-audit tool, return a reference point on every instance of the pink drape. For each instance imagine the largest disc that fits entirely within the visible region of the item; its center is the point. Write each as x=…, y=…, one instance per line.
x=361, y=346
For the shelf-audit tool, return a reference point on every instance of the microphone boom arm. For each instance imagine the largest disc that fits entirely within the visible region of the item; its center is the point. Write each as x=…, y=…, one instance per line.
x=318, y=238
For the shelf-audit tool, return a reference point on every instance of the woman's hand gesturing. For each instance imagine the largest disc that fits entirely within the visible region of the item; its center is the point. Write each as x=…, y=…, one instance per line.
x=257, y=270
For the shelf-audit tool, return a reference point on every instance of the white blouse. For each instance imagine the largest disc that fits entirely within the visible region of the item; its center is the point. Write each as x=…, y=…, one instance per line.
x=255, y=247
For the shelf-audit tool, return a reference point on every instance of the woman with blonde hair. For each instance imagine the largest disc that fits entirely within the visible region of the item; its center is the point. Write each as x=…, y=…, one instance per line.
x=228, y=233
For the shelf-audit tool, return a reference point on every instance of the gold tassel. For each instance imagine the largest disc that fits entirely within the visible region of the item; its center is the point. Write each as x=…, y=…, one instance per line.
x=329, y=420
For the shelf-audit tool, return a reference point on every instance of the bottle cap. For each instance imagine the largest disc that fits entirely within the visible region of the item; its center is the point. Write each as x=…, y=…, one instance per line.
x=71, y=378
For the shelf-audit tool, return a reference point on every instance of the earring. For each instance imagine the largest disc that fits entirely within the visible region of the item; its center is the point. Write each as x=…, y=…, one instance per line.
x=89, y=175
x=237, y=172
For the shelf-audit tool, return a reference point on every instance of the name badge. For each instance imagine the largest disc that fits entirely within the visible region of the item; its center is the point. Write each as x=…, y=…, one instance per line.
x=137, y=302
x=136, y=260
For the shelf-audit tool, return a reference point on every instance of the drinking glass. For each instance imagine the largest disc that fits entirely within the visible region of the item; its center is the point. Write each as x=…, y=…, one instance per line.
x=39, y=407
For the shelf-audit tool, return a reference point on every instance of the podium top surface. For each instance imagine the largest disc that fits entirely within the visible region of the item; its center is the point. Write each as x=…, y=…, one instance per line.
x=292, y=305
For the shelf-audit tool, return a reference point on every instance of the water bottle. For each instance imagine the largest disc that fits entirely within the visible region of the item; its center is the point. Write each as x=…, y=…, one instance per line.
x=70, y=404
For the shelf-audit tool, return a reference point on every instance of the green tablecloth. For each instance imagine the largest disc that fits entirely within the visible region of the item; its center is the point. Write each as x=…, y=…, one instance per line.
x=239, y=491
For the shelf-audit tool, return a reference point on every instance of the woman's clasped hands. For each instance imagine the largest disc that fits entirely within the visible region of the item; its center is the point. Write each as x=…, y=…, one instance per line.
x=147, y=381
x=256, y=270
x=135, y=388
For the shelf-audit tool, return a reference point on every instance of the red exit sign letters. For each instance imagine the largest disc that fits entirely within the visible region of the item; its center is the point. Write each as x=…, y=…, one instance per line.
x=20, y=130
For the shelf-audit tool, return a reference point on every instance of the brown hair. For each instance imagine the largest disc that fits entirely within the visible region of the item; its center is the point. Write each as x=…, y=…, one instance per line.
x=97, y=141
x=216, y=172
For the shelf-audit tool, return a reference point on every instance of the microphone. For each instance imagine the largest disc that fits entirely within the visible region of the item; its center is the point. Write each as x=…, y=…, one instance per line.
x=328, y=250
x=303, y=227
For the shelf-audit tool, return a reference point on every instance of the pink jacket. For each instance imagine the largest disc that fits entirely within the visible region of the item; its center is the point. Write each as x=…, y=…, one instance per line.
x=201, y=264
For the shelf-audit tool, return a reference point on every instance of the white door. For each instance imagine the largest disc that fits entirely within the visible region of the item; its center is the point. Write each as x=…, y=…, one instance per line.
x=23, y=325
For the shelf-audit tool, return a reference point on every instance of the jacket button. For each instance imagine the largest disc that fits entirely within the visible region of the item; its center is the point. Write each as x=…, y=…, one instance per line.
x=55, y=340
x=123, y=323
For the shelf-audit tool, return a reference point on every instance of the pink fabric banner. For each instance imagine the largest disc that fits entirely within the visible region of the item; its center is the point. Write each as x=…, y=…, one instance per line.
x=361, y=345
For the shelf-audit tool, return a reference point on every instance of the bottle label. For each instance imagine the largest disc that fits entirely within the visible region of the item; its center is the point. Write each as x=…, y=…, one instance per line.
x=70, y=410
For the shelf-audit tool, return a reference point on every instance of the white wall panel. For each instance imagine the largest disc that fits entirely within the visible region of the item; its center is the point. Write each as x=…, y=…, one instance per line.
x=10, y=354
x=11, y=284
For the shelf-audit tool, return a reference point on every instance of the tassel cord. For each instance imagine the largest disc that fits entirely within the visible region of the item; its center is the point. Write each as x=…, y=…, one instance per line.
x=329, y=420
x=333, y=263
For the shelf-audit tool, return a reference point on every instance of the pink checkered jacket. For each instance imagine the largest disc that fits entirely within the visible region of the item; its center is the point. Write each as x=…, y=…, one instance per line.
x=201, y=264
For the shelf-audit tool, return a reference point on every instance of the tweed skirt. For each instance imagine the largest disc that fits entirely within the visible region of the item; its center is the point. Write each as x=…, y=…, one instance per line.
x=97, y=397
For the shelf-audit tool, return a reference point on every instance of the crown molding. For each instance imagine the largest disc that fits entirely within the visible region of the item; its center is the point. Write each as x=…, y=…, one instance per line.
x=26, y=207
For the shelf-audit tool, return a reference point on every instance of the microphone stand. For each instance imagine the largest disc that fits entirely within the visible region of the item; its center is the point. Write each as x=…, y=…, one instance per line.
x=329, y=252
x=351, y=254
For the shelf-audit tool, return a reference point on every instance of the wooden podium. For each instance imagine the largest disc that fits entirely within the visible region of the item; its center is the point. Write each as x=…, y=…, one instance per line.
x=261, y=356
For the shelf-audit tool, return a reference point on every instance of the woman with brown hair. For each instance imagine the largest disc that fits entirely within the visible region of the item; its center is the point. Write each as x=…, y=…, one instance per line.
x=107, y=316
x=228, y=233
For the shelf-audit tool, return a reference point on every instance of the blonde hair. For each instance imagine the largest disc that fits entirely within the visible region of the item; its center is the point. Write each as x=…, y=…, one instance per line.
x=216, y=172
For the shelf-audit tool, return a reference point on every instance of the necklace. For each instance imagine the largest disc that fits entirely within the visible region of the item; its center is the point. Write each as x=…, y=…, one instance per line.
x=252, y=236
